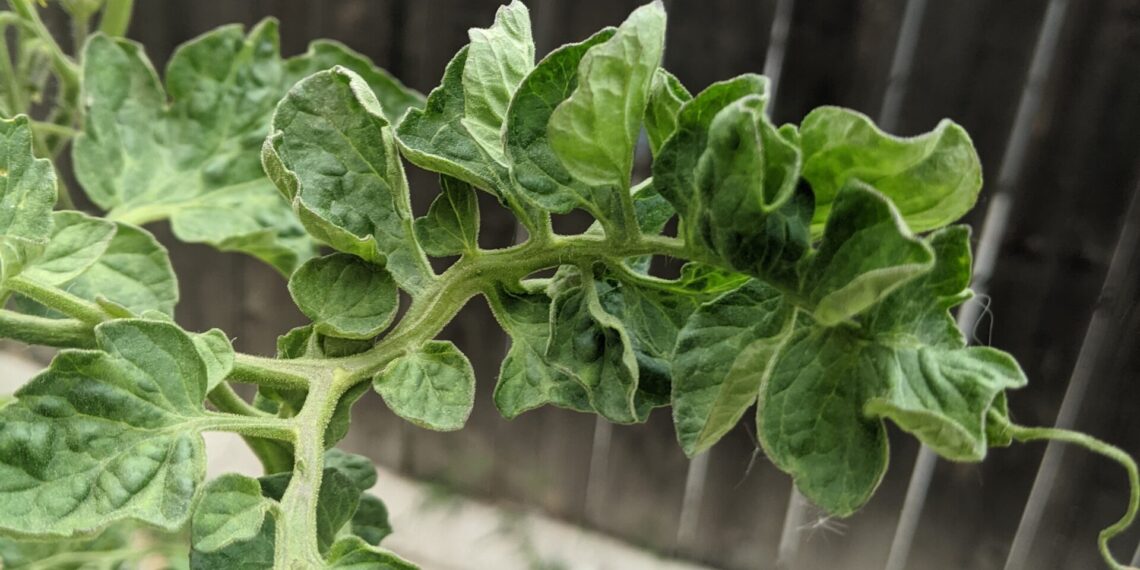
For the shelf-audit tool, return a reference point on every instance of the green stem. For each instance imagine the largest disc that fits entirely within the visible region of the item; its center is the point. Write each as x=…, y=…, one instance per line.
x=227, y=400
x=116, y=17
x=80, y=27
x=297, y=547
x=60, y=333
x=275, y=373
x=17, y=103
x=53, y=129
x=274, y=457
x=59, y=300
x=66, y=69
x=1025, y=434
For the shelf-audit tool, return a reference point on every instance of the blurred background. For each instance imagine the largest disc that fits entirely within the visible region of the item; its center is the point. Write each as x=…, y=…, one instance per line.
x=1050, y=92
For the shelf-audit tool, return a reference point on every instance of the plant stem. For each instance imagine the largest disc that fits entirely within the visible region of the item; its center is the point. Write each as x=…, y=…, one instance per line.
x=273, y=455
x=1025, y=434
x=59, y=300
x=116, y=17
x=285, y=374
x=66, y=69
x=60, y=333
x=297, y=547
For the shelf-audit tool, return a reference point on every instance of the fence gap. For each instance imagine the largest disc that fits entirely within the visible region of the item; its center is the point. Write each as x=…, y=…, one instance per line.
x=989, y=245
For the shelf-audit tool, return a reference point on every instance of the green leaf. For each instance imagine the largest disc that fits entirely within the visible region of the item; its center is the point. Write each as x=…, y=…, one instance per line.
x=821, y=407
x=534, y=167
x=498, y=59
x=134, y=273
x=943, y=397
x=744, y=177
x=352, y=553
x=946, y=390
x=27, y=195
x=333, y=156
x=345, y=296
x=232, y=511
x=458, y=131
x=867, y=252
x=254, y=553
x=594, y=131
x=106, y=435
x=722, y=355
x=435, y=138
x=357, y=469
x=652, y=311
x=27, y=184
x=933, y=179
x=919, y=311
x=527, y=379
x=76, y=243
x=217, y=354
x=370, y=521
x=432, y=387
x=594, y=347
x=451, y=226
x=109, y=548
x=395, y=98
x=677, y=160
x=810, y=417
x=194, y=161
x=666, y=95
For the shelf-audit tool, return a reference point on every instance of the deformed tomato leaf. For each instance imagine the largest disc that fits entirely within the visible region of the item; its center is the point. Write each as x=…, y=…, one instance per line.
x=593, y=347
x=353, y=553
x=344, y=483
x=451, y=226
x=822, y=407
x=722, y=355
x=676, y=163
x=345, y=296
x=217, y=354
x=232, y=510
x=370, y=521
x=27, y=195
x=432, y=387
x=194, y=161
x=933, y=179
x=133, y=273
x=457, y=133
x=810, y=417
x=594, y=131
x=943, y=396
x=867, y=252
x=497, y=60
x=527, y=379
x=332, y=155
x=666, y=95
x=105, y=435
x=534, y=167
x=76, y=243
x=395, y=97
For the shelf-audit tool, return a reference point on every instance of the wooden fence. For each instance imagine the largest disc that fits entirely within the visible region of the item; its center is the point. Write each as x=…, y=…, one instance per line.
x=1050, y=92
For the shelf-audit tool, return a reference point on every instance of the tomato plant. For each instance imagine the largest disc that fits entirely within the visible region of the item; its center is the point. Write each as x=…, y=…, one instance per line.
x=820, y=266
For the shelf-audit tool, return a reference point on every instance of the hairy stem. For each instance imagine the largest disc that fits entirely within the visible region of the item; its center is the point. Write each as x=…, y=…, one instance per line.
x=297, y=547
x=59, y=300
x=1025, y=434
x=64, y=67
x=273, y=456
x=59, y=333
